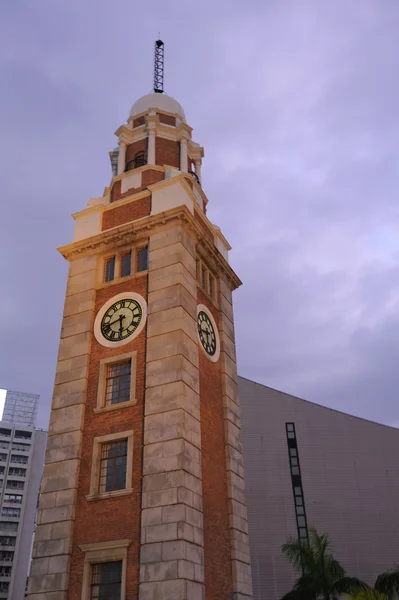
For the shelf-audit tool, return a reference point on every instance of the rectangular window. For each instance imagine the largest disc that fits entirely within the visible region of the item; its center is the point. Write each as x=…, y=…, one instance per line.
x=113, y=466
x=6, y=555
x=15, y=485
x=203, y=278
x=142, y=259
x=211, y=286
x=7, y=540
x=106, y=581
x=4, y=585
x=3, y=456
x=5, y=432
x=4, y=445
x=22, y=460
x=14, y=498
x=20, y=447
x=5, y=571
x=22, y=435
x=117, y=387
x=8, y=511
x=17, y=472
x=9, y=525
x=126, y=264
x=109, y=269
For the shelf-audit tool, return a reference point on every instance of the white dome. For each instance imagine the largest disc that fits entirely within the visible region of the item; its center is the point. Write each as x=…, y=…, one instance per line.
x=162, y=101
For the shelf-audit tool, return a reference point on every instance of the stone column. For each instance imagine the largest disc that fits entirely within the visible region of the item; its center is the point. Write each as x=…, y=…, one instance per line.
x=183, y=155
x=197, y=163
x=122, y=158
x=172, y=544
x=240, y=553
x=151, y=146
x=55, y=519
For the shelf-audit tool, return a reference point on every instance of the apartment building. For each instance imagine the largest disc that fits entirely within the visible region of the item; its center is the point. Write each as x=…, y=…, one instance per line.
x=21, y=464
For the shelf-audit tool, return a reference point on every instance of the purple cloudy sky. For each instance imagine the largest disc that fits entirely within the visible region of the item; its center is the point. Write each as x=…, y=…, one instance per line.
x=297, y=106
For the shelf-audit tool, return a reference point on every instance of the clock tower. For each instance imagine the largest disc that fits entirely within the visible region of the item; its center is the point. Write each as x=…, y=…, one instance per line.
x=142, y=496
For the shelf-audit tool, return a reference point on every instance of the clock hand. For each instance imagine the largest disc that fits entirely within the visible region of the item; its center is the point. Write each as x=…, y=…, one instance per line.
x=121, y=317
x=116, y=320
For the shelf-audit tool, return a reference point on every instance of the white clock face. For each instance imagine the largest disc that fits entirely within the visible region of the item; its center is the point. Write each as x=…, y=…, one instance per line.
x=120, y=320
x=208, y=334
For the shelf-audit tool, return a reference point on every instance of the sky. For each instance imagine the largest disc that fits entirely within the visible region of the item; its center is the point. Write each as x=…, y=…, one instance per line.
x=296, y=103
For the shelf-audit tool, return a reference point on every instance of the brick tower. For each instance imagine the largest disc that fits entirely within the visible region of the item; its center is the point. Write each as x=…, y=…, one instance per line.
x=142, y=495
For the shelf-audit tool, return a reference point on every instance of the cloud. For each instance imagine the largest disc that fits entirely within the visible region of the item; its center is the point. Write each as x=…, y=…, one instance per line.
x=297, y=108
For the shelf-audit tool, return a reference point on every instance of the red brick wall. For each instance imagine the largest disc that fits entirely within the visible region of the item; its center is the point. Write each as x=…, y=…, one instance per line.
x=111, y=518
x=167, y=152
x=136, y=209
x=167, y=119
x=137, y=122
x=218, y=578
x=151, y=176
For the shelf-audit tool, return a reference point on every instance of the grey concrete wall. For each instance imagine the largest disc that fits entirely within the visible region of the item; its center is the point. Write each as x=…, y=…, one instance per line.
x=350, y=476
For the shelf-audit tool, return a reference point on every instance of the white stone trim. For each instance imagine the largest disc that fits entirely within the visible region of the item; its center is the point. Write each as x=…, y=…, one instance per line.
x=205, y=309
x=101, y=389
x=103, y=552
x=97, y=323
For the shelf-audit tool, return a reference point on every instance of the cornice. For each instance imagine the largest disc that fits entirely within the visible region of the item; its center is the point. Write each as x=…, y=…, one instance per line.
x=130, y=233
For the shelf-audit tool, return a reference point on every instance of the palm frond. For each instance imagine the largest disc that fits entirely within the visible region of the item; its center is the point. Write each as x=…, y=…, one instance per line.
x=298, y=553
x=299, y=594
x=388, y=583
x=348, y=585
x=365, y=594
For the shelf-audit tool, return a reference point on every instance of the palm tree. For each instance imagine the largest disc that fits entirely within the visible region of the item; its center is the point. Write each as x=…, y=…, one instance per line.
x=386, y=587
x=323, y=577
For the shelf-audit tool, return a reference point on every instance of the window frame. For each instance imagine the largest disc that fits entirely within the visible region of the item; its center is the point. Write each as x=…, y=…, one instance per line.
x=207, y=281
x=103, y=552
x=118, y=253
x=94, y=491
x=102, y=376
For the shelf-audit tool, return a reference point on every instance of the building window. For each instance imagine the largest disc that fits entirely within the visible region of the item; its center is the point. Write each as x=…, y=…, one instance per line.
x=14, y=498
x=5, y=432
x=6, y=555
x=6, y=540
x=11, y=525
x=3, y=456
x=20, y=447
x=126, y=264
x=296, y=479
x=206, y=280
x=17, y=472
x=117, y=382
x=142, y=259
x=4, y=585
x=5, y=571
x=15, y=485
x=22, y=460
x=112, y=465
x=104, y=570
x=8, y=511
x=22, y=435
x=109, y=269
x=106, y=581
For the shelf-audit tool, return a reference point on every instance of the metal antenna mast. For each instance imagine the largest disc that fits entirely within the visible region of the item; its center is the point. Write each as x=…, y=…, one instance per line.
x=158, y=67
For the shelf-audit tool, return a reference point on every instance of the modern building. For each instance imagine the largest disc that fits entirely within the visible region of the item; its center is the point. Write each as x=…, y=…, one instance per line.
x=20, y=408
x=143, y=485
x=307, y=465
x=21, y=464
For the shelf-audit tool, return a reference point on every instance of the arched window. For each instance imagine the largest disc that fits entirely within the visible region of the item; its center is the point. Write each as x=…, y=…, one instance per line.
x=138, y=161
